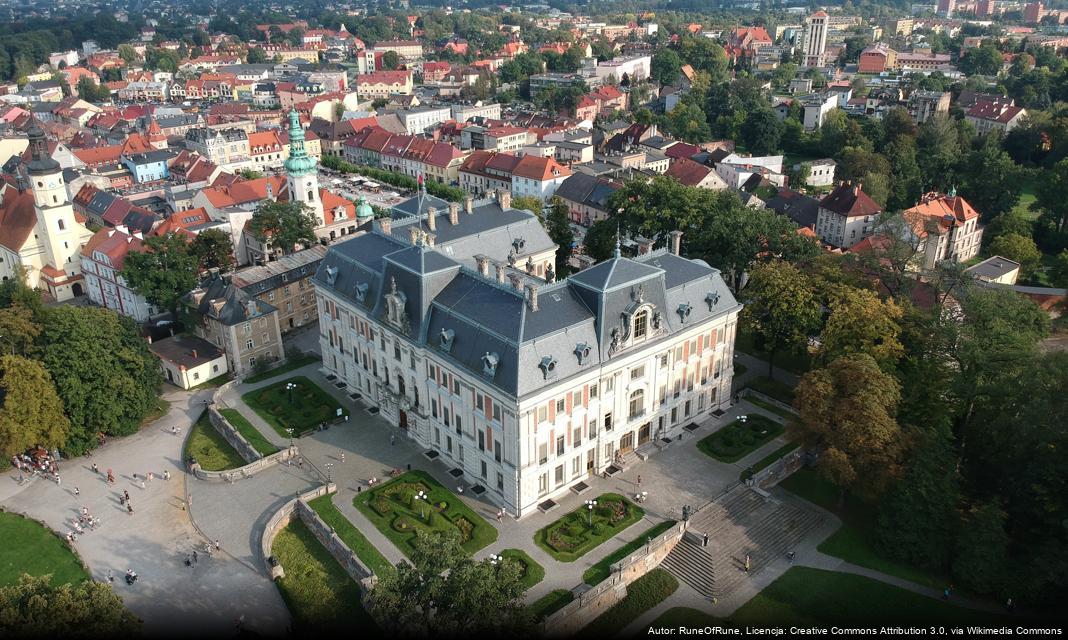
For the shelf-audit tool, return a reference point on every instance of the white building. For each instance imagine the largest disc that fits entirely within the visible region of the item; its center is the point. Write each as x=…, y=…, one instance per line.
x=538, y=176
x=816, y=107
x=464, y=112
x=821, y=172
x=526, y=387
x=635, y=68
x=846, y=216
x=735, y=170
x=102, y=260
x=417, y=120
x=815, y=40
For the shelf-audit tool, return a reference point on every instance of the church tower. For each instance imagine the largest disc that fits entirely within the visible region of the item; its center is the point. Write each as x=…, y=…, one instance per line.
x=59, y=234
x=302, y=173
x=156, y=137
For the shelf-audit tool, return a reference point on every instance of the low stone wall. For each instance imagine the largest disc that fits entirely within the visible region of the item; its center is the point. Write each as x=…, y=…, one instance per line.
x=298, y=508
x=587, y=606
x=779, y=470
x=749, y=391
x=247, y=471
x=230, y=433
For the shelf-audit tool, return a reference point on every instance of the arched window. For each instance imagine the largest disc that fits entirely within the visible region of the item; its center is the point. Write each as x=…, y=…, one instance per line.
x=641, y=325
x=637, y=404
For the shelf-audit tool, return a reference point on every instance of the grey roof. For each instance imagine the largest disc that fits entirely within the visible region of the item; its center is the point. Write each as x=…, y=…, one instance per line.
x=189, y=351
x=295, y=266
x=418, y=205
x=226, y=302
x=993, y=267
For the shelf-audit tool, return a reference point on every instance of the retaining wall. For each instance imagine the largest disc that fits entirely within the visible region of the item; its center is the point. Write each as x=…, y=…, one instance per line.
x=247, y=471
x=587, y=606
x=230, y=433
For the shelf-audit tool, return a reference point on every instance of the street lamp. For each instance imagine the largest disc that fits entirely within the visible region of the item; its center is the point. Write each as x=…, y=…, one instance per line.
x=590, y=504
x=329, y=466
x=496, y=559
x=289, y=387
x=289, y=430
x=422, y=496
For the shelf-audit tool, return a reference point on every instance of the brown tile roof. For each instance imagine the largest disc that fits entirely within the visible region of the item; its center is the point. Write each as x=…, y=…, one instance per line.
x=849, y=200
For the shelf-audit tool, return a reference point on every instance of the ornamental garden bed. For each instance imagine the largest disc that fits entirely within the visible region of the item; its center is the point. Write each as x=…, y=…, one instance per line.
x=533, y=573
x=394, y=509
x=303, y=409
x=738, y=439
x=572, y=536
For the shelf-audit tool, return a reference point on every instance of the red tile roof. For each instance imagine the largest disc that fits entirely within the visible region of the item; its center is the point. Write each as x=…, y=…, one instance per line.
x=688, y=172
x=539, y=168
x=113, y=243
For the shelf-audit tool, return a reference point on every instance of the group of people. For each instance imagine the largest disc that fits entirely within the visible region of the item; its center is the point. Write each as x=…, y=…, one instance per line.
x=79, y=524
x=38, y=461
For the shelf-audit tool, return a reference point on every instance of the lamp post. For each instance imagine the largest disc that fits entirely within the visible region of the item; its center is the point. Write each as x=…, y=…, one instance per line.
x=329, y=468
x=590, y=504
x=423, y=497
x=289, y=430
x=289, y=387
x=496, y=559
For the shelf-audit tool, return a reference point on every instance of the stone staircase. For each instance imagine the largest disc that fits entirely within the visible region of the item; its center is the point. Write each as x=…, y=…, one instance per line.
x=741, y=522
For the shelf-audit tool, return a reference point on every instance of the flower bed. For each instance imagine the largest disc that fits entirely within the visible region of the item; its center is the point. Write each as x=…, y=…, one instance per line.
x=572, y=535
x=736, y=440
x=301, y=410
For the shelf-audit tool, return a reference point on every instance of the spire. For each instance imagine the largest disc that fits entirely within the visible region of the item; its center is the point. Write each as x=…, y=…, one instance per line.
x=299, y=162
x=952, y=192
x=617, y=252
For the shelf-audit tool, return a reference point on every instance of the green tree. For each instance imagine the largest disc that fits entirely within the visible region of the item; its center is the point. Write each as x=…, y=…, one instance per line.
x=284, y=225
x=36, y=608
x=1058, y=273
x=214, y=249
x=19, y=328
x=30, y=411
x=256, y=55
x=164, y=272
x=600, y=239
x=1050, y=195
x=558, y=224
x=1019, y=249
x=991, y=180
x=103, y=371
x=984, y=60
x=847, y=411
x=665, y=67
x=90, y=91
x=200, y=38
x=687, y=121
x=860, y=322
x=705, y=55
x=780, y=309
x=532, y=204
x=761, y=132
x=445, y=592
x=1011, y=222
x=390, y=60
x=981, y=561
x=904, y=180
x=128, y=54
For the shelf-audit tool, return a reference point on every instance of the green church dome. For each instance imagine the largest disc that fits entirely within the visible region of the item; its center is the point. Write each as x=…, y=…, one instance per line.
x=364, y=210
x=299, y=162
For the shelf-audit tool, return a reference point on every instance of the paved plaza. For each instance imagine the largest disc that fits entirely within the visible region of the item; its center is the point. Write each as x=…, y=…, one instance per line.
x=173, y=517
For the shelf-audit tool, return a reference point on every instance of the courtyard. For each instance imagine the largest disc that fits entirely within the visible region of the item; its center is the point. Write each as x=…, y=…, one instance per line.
x=296, y=404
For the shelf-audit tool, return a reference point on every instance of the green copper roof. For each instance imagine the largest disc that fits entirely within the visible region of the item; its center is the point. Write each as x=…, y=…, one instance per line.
x=364, y=210
x=299, y=162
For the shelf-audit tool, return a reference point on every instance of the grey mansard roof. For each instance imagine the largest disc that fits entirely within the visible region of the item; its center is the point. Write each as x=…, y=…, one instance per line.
x=580, y=323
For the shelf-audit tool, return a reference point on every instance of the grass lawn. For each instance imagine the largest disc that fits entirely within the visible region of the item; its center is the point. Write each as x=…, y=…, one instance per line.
x=855, y=541
x=214, y=382
x=599, y=572
x=157, y=411
x=738, y=439
x=768, y=460
x=550, y=603
x=643, y=594
x=793, y=362
x=360, y=545
x=805, y=596
x=394, y=509
x=250, y=433
x=533, y=573
x=210, y=449
x=570, y=537
x=311, y=406
x=32, y=548
x=1027, y=198
x=767, y=406
x=317, y=591
x=774, y=388
x=294, y=363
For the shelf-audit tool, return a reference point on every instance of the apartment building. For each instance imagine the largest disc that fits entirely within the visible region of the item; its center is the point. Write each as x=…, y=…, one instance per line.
x=285, y=284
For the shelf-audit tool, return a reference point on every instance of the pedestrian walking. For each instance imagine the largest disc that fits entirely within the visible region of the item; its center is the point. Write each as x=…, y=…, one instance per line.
x=218, y=547
x=790, y=557
x=111, y=477
x=58, y=480
x=111, y=576
x=150, y=476
x=166, y=474
x=747, y=563
x=945, y=593
x=342, y=456
x=96, y=469
x=85, y=511
x=704, y=541
x=129, y=508
x=300, y=462
x=639, y=482
x=126, y=494
x=194, y=556
x=77, y=491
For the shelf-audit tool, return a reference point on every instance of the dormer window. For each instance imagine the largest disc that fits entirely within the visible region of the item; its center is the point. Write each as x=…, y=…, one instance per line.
x=582, y=352
x=361, y=291
x=684, y=311
x=712, y=299
x=547, y=366
x=446, y=338
x=641, y=325
x=489, y=364
x=331, y=275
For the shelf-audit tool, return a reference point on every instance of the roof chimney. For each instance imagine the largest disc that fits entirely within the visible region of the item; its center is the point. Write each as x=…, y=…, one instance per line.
x=431, y=213
x=194, y=354
x=385, y=225
x=500, y=273
x=413, y=234
x=532, y=296
x=454, y=213
x=504, y=198
x=676, y=242
x=469, y=204
x=483, y=265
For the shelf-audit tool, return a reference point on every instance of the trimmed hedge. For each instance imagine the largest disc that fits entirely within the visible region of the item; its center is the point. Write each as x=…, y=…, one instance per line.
x=738, y=439
x=643, y=594
x=570, y=537
x=533, y=573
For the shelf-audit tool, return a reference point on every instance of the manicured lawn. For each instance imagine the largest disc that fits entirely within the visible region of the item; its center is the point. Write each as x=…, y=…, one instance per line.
x=533, y=573
x=30, y=547
x=738, y=439
x=805, y=596
x=210, y=449
x=550, y=603
x=767, y=406
x=214, y=382
x=855, y=541
x=318, y=592
x=249, y=432
x=1027, y=198
x=310, y=406
x=294, y=363
x=360, y=545
x=794, y=362
x=768, y=460
x=599, y=572
x=570, y=537
x=394, y=509
x=774, y=388
x=643, y=594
